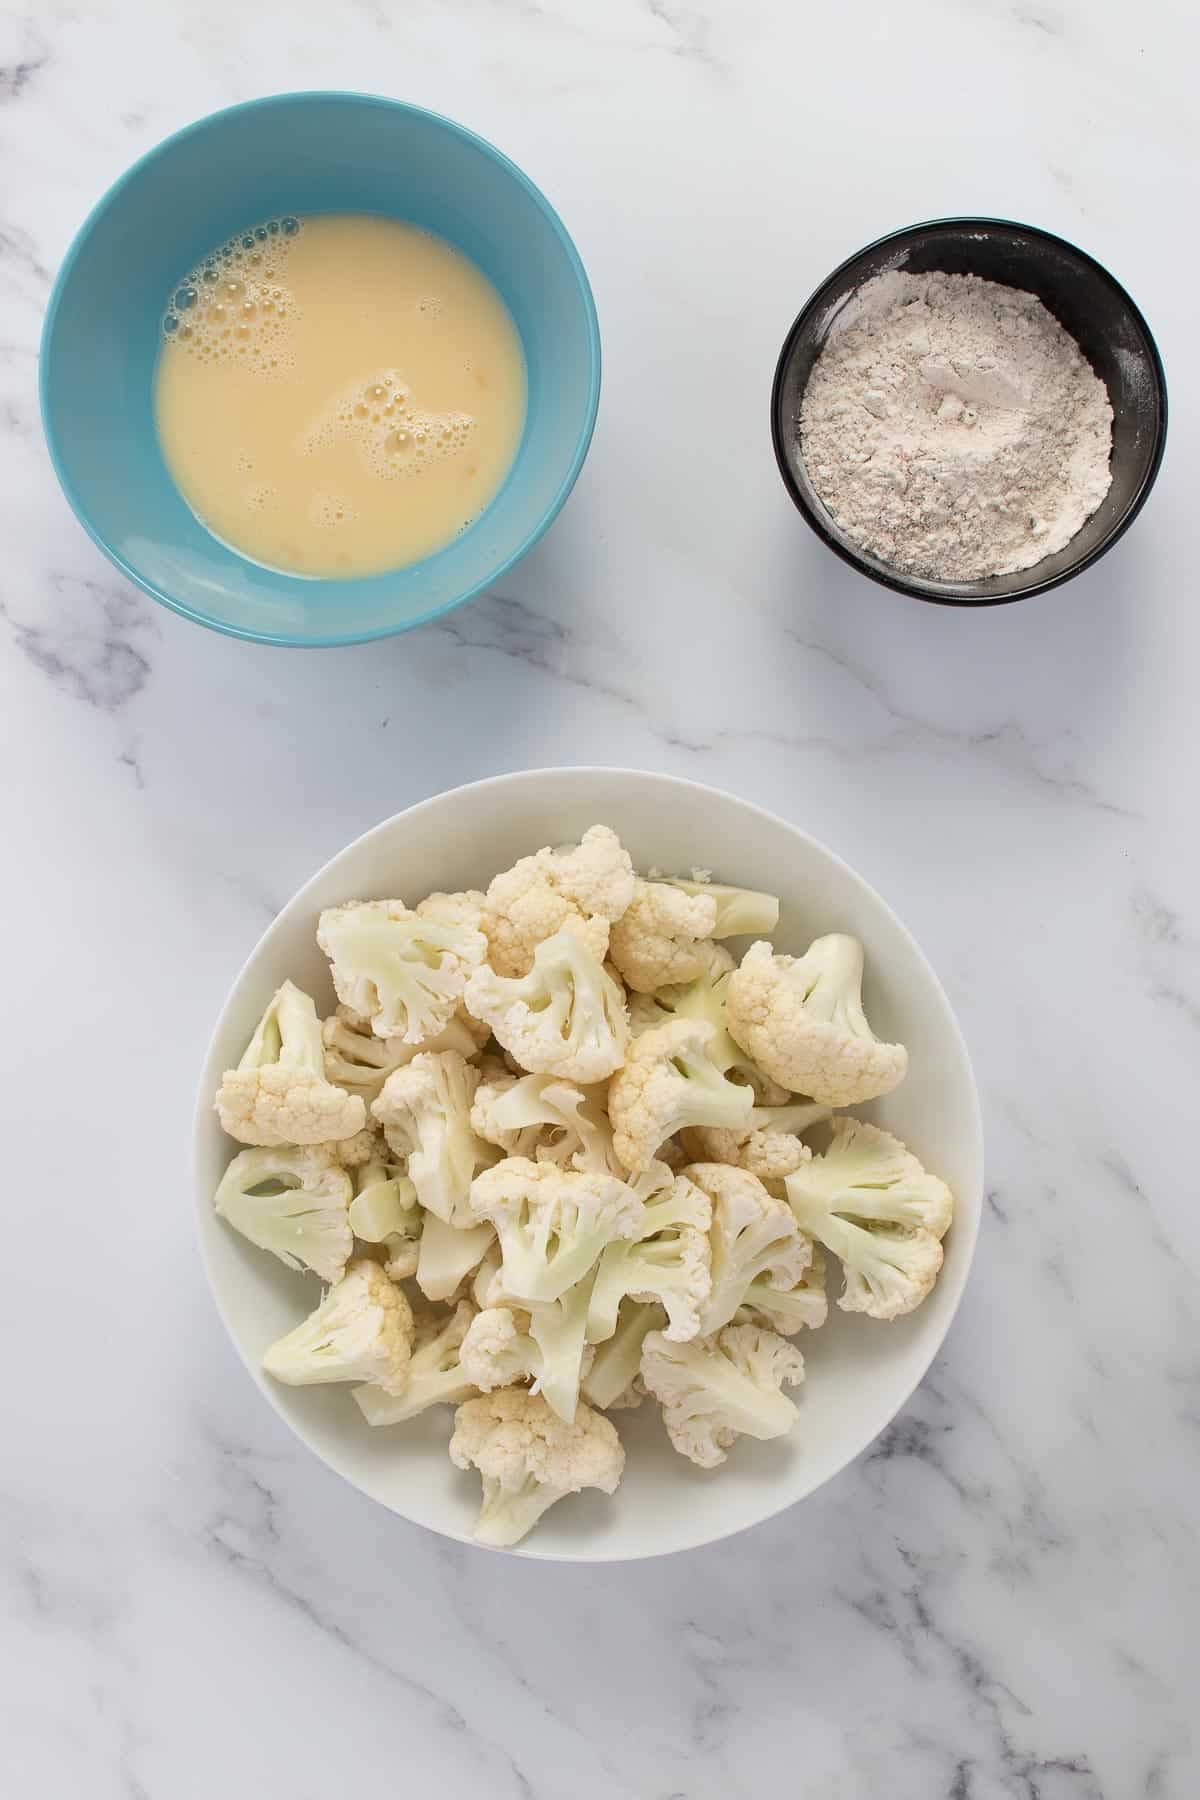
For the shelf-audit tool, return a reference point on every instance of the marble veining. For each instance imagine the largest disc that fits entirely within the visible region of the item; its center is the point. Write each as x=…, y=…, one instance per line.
x=997, y=1601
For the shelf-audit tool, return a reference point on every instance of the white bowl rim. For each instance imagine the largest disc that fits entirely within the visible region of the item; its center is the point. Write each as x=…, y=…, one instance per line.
x=967, y=1217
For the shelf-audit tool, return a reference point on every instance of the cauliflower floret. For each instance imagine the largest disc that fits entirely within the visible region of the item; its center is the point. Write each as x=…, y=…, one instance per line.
x=565, y=1017
x=547, y=1118
x=715, y=1389
x=361, y=1062
x=404, y=973
x=385, y=1211
x=552, y=1223
x=529, y=1458
x=658, y=939
x=546, y=1344
x=869, y=1200
x=770, y=1149
x=614, y=1380
x=752, y=1234
x=292, y=1202
x=787, y=1310
x=669, y=1261
x=668, y=1082
x=581, y=890
x=498, y=1351
x=435, y=1374
x=802, y=1020
x=768, y=1154
x=355, y=1152
x=741, y=912
x=362, y=1331
x=465, y=909
x=425, y=1111
x=704, y=998
x=278, y=1094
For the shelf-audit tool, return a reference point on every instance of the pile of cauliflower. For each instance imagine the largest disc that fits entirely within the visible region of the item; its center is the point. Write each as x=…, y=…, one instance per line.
x=549, y=1156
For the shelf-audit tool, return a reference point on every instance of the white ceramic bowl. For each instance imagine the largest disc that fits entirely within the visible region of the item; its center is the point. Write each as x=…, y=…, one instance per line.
x=860, y=1372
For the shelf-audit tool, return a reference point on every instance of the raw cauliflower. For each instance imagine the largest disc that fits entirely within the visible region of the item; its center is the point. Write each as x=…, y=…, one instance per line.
x=802, y=1020
x=669, y=1261
x=279, y=1094
x=499, y=1351
x=870, y=1202
x=704, y=998
x=360, y=1062
x=385, y=1211
x=753, y=1234
x=565, y=1017
x=787, y=1310
x=448, y=1255
x=435, y=1374
x=770, y=1149
x=552, y=1223
x=581, y=890
x=465, y=909
x=546, y=1118
x=529, y=1458
x=559, y=1111
x=614, y=1380
x=292, y=1202
x=425, y=1111
x=716, y=1389
x=362, y=1331
x=404, y=972
x=667, y=1083
x=544, y=1344
x=659, y=939
x=741, y=912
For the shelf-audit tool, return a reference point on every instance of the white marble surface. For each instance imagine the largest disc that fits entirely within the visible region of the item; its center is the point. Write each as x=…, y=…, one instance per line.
x=997, y=1602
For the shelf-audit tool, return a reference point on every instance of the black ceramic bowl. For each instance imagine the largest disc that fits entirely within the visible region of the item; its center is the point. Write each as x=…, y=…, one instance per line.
x=1083, y=297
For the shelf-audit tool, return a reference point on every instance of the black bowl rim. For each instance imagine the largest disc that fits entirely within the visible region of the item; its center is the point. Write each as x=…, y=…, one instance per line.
x=914, y=588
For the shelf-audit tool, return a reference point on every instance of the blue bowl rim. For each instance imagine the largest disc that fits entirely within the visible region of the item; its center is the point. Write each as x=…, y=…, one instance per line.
x=283, y=639
x=913, y=587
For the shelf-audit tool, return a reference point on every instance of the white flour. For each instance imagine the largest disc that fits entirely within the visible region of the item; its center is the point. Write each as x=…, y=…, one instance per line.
x=953, y=428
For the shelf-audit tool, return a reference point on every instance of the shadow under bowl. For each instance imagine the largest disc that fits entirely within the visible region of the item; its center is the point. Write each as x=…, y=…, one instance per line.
x=1086, y=301
x=304, y=154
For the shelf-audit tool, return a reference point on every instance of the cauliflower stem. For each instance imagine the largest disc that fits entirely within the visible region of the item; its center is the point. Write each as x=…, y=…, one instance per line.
x=741, y=912
x=802, y=1019
x=614, y=1380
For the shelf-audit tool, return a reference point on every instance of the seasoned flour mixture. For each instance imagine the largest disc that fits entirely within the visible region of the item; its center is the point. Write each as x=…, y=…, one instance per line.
x=953, y=428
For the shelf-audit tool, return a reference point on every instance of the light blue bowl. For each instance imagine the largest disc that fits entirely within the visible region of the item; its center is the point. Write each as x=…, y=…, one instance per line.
x=304, y=154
